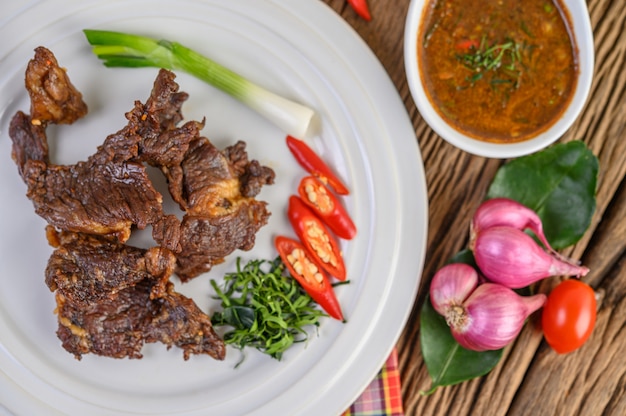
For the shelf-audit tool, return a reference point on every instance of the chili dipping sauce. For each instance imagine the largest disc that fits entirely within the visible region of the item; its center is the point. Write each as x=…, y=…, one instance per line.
x=500, y=71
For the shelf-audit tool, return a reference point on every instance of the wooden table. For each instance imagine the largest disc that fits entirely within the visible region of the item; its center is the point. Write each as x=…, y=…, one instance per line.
x=530, y=379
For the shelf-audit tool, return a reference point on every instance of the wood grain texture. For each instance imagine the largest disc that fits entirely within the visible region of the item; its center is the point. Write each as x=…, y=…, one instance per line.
x=531, y=379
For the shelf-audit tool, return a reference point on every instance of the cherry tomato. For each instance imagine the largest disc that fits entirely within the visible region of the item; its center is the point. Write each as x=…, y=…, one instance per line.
x=569, y=315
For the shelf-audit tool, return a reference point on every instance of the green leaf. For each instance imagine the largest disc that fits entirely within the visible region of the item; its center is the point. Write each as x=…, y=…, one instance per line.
x=559, y=183
x=239, y=316
x=464, y=256
x=447, y=362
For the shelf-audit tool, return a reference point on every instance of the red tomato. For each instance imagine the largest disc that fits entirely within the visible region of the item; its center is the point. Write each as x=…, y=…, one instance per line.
x=569, y=315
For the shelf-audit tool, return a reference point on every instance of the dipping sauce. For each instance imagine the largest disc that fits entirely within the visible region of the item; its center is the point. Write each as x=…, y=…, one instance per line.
x=500, y=71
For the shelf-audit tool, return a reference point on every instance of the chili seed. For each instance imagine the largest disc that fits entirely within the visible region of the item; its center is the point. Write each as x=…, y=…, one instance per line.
x=320, y=242
x=297, y=266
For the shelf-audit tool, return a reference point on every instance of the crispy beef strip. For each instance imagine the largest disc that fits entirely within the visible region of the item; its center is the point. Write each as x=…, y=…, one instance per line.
x=89, y=268
x=99, y=196
x=53, y=98
x=121, y=325
x=29, y=142
x=222, y=215
x=107, y=194
x=113, y=298
x=216, y=189
x=164, y=144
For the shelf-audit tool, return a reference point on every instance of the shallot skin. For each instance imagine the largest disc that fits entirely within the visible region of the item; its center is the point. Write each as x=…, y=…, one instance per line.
x=507, y=212
x=512, y=258
x=451, y=285
x=496, y=317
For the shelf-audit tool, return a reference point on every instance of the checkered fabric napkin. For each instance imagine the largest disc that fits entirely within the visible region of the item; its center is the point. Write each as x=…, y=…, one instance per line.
x=383, y=396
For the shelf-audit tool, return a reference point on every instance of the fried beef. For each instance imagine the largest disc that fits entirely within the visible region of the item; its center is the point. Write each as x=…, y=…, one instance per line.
x=221, y=213
x=53, y=98
x=121, y=325
x=113, y=298
x=216, y=189
x=88, y=268
x=107, y=194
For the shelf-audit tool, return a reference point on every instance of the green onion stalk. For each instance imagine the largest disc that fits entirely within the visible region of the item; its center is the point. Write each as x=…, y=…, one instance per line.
x=118, y=49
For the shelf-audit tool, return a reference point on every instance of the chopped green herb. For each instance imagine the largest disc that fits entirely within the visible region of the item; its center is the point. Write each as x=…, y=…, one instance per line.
x=475, y=77
x=525, y=29
x=504, y=57
x=267, y=309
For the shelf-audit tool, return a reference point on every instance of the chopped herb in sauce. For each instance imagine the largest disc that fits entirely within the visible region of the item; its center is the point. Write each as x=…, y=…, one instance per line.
x=505, y=56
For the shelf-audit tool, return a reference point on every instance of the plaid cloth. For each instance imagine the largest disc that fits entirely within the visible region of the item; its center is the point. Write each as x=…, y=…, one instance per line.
x=383, y=397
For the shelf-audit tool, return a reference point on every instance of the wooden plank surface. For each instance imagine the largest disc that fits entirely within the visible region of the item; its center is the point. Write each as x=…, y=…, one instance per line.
x=531, y=379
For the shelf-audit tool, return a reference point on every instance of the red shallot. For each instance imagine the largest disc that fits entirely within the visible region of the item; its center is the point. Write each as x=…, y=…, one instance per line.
x=484, y=317
x=495, y=316
x=512, y=258
x=507, y=212
x=451, y=285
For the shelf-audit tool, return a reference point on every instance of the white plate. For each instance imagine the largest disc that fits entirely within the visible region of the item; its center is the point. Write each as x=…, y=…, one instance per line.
x=302, y=50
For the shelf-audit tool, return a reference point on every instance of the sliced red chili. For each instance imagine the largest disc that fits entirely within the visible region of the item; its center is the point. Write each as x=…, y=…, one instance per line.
x=318, y=240
x=361, y=8
x=312, y=163
x=325, y=204
x=308, y=273
x=467, y=44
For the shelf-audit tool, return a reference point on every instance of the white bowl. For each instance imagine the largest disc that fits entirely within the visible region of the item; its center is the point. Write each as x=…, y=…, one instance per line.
x=584, y=40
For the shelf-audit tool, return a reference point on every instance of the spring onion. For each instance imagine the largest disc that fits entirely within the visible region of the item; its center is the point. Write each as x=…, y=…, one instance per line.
x=267, y=309
x=118, y=49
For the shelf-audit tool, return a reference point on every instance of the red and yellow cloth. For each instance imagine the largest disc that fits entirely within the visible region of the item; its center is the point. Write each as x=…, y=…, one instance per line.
x=383, y=396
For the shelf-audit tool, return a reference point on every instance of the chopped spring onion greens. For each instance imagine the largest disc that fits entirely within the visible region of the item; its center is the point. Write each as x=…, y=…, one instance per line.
x=266, y=308
x=492, y=57
x=505, y=57
x=118, y=49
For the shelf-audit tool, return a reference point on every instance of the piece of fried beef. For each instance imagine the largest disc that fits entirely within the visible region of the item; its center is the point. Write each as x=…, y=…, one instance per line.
x=107, y=194
x=113, y=298
x=103, y=195
x=216, y=189
x=222, y=214
x=53, y=98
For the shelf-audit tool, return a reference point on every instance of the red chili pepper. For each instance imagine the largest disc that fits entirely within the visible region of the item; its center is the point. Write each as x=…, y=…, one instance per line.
x=467, y=44
x=313, y=164
x=360, y=6
x=326, y=205
x=318, y=240
x=308, y=273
